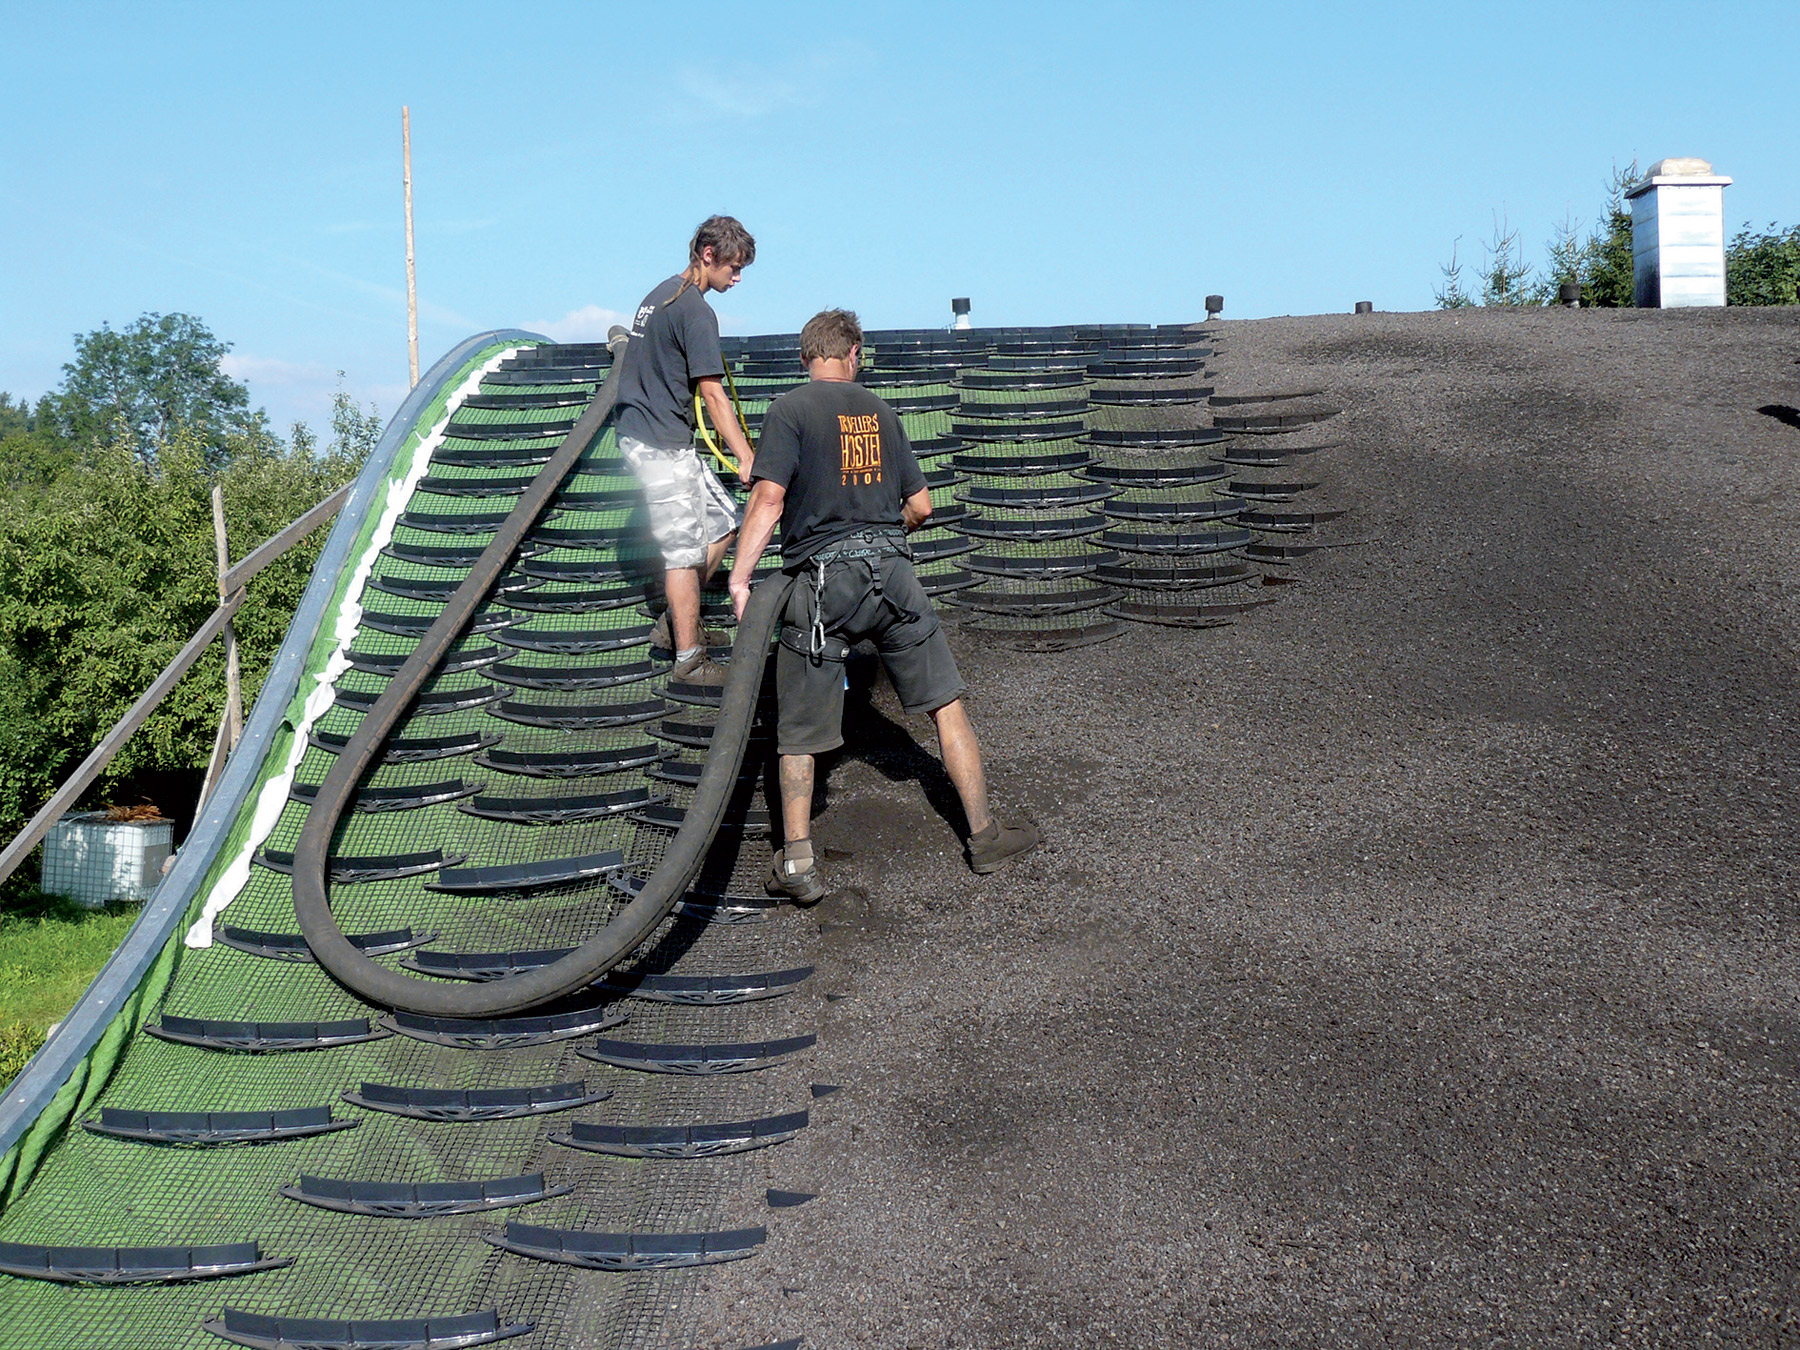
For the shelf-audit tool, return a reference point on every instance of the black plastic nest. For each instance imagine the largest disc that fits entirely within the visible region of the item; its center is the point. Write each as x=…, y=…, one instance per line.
x=1160, y=397
x=988, y=463
x=1155, y=438
x=1156, y=475
x=989, y=432
x=1034, y=600
x=1063, y=377
x=1139, y=575
x=1175, y=541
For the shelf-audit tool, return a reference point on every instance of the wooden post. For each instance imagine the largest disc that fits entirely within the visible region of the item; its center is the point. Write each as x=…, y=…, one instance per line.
x=234, y=681
x=215, y=765
x=412, y=290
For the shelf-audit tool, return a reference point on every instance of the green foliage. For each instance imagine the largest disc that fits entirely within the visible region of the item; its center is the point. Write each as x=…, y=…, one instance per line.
x=1606, y=266
x=104, y=575
x=107, y=559
x=1564, y=265
x=354, y=433
x=1506, y=279
x=50, y=950
x=140, y=383
x=1451, y=294
x=14, y=417
x=1763, y=269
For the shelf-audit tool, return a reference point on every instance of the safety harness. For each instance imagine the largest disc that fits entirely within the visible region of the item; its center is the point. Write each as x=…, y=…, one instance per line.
x=868, y=546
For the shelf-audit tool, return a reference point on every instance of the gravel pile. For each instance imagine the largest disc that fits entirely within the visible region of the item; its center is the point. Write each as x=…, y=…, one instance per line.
x=1413, y=961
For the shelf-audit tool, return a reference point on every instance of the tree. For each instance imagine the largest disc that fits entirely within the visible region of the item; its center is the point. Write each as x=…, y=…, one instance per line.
x=1606, y=265
x=1763, y=269
x=138, y=384
x=106, y=572
x=1451, y=294
x=30, y=455
x=1506, y=280
x=354, y=433
x=107, y=562
x=1564, y=249
x=14, y=417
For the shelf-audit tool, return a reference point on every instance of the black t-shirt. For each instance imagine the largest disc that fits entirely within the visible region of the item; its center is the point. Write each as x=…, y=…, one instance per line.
x=843, y=459
x=674, y=342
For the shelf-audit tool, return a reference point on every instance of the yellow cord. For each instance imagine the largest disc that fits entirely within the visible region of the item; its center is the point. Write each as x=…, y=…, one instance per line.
x=707, y=436
x=737, y=406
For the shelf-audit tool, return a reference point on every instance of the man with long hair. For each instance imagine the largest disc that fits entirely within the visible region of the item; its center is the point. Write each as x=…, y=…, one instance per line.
x=674, y=355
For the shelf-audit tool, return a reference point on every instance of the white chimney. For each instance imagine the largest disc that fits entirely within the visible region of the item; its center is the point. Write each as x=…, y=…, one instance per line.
x=1678, y=235
x=960, y=308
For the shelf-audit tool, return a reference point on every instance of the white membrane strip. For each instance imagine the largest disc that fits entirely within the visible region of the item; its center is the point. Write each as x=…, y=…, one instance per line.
x=274, y=795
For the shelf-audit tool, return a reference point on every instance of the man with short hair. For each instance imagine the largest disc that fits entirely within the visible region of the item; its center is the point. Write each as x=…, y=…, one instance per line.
x=836, y=469
x=672, y=356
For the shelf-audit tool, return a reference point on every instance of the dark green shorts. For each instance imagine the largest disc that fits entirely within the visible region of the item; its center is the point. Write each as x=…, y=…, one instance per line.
x=898, y=619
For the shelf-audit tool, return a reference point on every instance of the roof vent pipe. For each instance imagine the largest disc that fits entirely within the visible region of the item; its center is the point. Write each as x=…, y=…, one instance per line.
x=960, y=308
x=1215, y=305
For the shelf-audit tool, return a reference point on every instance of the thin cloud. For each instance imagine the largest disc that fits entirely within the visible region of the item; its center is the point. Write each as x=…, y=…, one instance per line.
x=273, y=370
x=587, y=324
x=749, y=92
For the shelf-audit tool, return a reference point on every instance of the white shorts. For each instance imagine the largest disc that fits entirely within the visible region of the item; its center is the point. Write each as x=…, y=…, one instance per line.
x=689, y=508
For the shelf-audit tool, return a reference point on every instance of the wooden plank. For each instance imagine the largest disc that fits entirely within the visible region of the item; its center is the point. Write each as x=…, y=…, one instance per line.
x=215, y=766
x=110, y=744
x=267, y=552
x=234, y=679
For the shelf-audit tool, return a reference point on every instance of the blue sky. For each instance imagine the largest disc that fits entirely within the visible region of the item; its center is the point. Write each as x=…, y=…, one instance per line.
x=1054, y=162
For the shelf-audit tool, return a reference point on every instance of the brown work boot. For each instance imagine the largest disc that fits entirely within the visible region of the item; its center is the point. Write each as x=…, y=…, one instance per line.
x=799, y=882
x=700, y=669
x=662, y=636
x=990, y=849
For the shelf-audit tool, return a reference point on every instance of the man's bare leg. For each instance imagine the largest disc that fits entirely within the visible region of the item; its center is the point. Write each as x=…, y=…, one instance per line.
x=962, y=761
x=796, y=772
x=794, y=873
x=681, y=585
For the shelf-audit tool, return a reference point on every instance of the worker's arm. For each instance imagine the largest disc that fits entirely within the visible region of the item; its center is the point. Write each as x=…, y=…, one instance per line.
x=753, y=537
x=916, y=509
x=724, y=419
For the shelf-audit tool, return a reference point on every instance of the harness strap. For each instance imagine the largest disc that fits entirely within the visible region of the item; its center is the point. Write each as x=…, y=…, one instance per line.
x=800, y=640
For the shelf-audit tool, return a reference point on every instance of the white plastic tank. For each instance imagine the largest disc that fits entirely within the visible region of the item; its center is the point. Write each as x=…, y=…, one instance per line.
x=1678, y=235
x=94, y=860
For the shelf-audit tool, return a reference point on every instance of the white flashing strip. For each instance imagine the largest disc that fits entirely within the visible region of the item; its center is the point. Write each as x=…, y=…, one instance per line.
x=271, y=801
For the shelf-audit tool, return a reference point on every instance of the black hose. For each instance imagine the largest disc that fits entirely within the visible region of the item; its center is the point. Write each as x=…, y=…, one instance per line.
x=667, y=883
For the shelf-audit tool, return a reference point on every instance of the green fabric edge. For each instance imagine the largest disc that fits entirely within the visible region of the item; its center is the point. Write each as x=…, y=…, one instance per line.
x=96, y=1068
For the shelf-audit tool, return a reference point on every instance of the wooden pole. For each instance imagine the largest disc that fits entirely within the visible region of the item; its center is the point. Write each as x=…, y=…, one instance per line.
x=412, y=289
x=215, y=765
x=234, y=681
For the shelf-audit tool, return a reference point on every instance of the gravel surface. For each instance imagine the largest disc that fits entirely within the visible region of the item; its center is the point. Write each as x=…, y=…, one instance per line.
x=1412, y=962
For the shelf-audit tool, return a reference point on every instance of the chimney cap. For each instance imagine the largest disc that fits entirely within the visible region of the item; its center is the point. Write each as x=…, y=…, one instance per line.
x=1677, y=171
x=1680, y=166
x=960, y=305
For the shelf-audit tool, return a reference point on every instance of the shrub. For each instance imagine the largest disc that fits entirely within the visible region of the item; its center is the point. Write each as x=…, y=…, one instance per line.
x=1763, y=269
